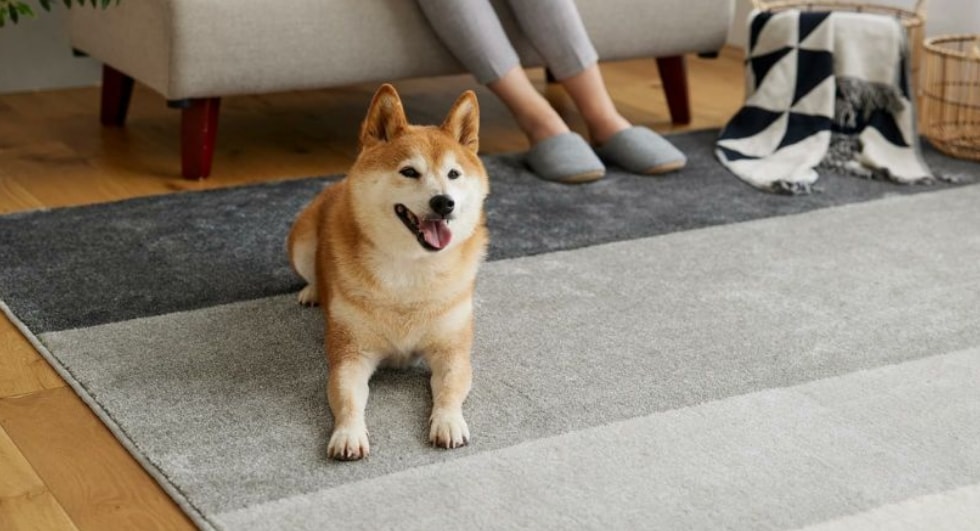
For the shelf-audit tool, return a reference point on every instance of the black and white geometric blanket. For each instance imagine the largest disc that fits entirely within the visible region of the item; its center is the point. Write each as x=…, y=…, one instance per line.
x=823, y=90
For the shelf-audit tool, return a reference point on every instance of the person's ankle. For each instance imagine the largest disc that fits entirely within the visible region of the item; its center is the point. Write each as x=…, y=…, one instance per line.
x=603, y=129
x=539, y=121
x=538, y=131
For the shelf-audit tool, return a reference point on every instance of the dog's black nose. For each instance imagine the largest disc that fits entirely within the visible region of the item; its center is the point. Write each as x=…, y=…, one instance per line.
x=442, y=204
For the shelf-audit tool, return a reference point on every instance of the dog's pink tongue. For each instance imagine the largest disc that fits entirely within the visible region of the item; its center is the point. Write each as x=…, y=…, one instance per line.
x=437, y=233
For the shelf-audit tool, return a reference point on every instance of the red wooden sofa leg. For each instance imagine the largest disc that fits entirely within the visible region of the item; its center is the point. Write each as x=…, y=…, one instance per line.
x=198, y=130
x=673, y=75
x=117, y=88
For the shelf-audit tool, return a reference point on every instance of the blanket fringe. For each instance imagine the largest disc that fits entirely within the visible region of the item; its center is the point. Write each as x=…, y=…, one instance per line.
x=841, y=157
x=790, y=188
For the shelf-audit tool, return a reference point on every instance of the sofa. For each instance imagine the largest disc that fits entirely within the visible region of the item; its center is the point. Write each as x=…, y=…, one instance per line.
x=194, y=52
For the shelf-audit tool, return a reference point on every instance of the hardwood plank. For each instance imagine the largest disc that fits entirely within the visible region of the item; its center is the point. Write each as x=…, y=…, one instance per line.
x=100, y=486
x=22, y=369
x=43, y=106
x=25, y=502
x=14, y=197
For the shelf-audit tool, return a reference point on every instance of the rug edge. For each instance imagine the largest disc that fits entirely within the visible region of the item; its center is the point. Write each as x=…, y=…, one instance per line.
x=175, y=494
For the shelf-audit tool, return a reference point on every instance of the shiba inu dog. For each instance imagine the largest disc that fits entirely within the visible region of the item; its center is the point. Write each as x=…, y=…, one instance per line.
x=391, y=254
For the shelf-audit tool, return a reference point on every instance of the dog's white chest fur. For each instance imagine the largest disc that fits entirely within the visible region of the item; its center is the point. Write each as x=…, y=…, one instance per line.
x=413, y=302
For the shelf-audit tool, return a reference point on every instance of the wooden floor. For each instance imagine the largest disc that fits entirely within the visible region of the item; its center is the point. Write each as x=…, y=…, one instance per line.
x=60, y=468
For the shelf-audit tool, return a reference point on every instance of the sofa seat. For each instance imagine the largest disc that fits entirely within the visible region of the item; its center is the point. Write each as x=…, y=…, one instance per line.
x=193, y=52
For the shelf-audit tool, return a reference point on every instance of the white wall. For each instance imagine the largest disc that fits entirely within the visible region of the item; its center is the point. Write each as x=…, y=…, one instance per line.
x=35, y=54
x=942, y=16
x=953, y=16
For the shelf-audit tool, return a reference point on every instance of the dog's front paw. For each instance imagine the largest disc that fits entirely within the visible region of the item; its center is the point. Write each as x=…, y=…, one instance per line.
x=348, y=443
x=309, y=296
x=448, y=429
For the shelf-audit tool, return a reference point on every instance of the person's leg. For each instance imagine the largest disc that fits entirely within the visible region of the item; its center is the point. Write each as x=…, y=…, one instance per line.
x=637, y=149
x=557, y=32
x=472, y=32
x=535, y=116
x=557, y=154
x=588, y=90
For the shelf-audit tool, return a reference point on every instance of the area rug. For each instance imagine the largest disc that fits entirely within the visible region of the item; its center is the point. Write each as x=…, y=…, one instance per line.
x=682, y=352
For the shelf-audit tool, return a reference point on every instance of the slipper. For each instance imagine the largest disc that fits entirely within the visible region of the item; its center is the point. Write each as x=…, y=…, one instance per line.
x=639, y=150
x=565, y=158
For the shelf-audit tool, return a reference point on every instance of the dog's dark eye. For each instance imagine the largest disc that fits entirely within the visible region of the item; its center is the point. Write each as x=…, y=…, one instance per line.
x=453, y=174
x=409, y=172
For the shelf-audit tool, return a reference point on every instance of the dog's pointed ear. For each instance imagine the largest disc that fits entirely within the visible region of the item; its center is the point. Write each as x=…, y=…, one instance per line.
x=463, y=121
x=385, y=118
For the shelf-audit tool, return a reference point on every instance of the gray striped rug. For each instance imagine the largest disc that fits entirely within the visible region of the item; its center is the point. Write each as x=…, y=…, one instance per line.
x=671, y=353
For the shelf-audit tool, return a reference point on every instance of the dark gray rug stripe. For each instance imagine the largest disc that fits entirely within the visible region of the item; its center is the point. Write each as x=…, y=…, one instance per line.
x=77, y=267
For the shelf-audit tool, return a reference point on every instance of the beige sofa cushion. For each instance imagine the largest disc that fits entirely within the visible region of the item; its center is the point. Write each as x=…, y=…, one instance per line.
x=202, y=48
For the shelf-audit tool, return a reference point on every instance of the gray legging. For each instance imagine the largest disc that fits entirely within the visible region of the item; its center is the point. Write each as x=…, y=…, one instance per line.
x=472, y=31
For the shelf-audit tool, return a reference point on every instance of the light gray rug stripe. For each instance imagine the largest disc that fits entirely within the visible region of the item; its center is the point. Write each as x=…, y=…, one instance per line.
x=228, y=401
x=953, y=510
x=776, y=459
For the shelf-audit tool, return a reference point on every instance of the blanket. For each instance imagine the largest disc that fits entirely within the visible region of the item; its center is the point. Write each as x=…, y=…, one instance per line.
x=824, y=90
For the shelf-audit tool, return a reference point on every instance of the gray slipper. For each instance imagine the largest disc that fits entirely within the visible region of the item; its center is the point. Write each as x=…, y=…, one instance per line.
x=565, y=158
x=640, y=150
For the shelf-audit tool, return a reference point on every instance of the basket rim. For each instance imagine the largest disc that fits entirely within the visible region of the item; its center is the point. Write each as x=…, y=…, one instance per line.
x=919, y=11
x=931, y=44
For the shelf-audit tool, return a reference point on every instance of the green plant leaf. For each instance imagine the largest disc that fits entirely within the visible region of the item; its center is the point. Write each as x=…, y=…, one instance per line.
x=13, y=10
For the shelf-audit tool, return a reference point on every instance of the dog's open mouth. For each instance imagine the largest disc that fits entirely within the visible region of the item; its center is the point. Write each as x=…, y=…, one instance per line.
x=432, y=233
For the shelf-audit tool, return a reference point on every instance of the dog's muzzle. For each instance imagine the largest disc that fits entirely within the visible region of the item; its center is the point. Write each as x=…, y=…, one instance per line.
x=432, y=232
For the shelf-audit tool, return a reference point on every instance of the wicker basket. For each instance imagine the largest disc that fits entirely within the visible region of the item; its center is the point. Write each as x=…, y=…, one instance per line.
x=914, y=21
x=950, y=116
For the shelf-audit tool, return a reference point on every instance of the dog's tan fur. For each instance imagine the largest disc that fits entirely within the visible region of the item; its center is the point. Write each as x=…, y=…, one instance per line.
x=385, y=298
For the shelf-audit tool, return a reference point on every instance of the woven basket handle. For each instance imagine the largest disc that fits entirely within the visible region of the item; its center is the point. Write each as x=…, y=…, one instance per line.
x=763, y=5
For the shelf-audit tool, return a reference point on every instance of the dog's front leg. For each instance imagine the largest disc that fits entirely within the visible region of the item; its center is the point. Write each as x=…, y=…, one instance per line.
x=347, y=393
x=452, y=376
